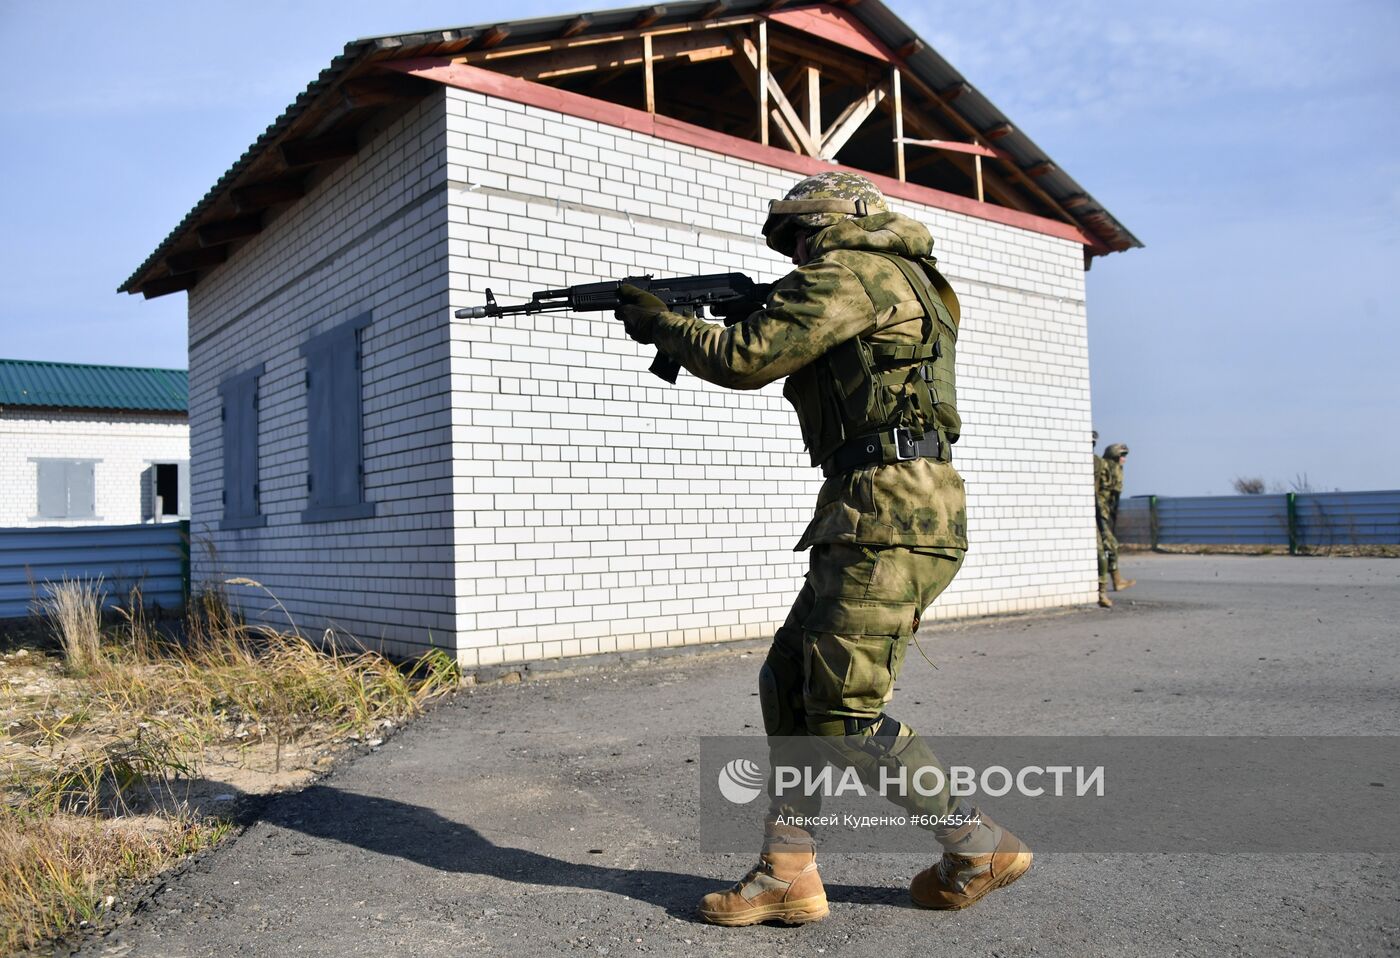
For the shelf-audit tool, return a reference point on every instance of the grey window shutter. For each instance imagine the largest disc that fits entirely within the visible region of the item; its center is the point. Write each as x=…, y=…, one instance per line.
x=184, y=486
x=82, y=491
x=240, y=427
x=248, y=447
x=347, y=454
x=334, y=424
x=320, y=423
x=233, y=454
x=149, y=510
x=53, y=489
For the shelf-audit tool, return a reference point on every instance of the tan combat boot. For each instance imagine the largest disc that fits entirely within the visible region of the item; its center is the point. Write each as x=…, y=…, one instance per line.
x=1104, y=600
x=1120, y=583
x=960, y=879
x=784, y=885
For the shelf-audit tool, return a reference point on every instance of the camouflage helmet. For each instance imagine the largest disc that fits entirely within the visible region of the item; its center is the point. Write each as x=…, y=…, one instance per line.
x=1116, y=451
x=818, y=202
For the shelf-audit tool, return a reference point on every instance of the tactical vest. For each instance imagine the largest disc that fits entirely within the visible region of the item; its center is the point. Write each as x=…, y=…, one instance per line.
x=894, y=398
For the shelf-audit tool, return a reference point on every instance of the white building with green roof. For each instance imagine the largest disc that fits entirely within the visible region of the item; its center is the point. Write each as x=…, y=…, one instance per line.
x=92, y=445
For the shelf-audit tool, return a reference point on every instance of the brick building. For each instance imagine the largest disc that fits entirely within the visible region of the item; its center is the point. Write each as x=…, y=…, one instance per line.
x=522, y=487
x=92, y=445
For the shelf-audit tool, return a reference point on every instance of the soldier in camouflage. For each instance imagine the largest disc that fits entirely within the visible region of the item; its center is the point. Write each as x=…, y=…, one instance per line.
x=865, y=331
x=1101, y=526
x=1108, y=488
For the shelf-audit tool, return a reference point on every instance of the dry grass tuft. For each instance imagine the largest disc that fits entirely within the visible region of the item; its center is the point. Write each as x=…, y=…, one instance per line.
x=114, y=735
x=74, y=611
x=62, y=872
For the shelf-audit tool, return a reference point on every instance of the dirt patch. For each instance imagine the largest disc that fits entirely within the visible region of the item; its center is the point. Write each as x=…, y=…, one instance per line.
x=118, y=764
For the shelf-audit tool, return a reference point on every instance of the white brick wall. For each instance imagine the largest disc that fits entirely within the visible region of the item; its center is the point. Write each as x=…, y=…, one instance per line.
x=538, y=492
x=597, y=508
x=123, y=443
x=367, y=237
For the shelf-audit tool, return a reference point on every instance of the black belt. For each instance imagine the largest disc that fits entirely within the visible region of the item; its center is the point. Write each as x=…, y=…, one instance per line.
x=894, y=445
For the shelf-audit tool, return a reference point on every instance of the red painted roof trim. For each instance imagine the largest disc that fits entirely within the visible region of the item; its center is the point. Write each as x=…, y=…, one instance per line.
x=835, y=26
x=466, y=77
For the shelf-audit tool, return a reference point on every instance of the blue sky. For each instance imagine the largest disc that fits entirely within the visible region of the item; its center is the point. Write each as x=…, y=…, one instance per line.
x=1254, y=147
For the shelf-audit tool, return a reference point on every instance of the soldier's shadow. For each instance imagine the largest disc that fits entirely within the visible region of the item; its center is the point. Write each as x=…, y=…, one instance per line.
x=388, y=827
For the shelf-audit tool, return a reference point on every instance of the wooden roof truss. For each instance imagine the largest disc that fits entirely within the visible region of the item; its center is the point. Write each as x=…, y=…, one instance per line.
x=807, y=78
x=807, y=95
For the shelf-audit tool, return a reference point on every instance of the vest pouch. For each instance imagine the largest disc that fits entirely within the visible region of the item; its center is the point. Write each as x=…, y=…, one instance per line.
x=862, y=403
x=799, y=391
x=949, y=421
x=813, y=396
x=944, y=384
x=834, y=433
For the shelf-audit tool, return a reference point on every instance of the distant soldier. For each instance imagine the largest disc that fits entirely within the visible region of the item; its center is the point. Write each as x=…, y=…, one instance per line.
x=1108, y=488
x=1101, y=523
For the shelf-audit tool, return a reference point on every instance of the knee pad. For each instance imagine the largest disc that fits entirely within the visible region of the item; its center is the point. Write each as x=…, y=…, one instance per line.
x=780, y=695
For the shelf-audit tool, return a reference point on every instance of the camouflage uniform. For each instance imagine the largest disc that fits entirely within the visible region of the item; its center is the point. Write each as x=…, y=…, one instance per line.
x=1108, y=488
x=1103, y=531
x=865, y=331
x=1113, y=479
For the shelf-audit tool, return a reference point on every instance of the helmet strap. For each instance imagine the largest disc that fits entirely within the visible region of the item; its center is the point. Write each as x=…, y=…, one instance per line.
x=798, y=207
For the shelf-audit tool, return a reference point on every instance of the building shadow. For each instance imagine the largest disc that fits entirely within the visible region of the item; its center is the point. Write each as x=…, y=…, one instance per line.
x=420, y=835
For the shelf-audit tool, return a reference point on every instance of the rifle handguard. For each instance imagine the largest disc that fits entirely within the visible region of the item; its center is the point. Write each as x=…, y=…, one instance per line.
x=681, y=293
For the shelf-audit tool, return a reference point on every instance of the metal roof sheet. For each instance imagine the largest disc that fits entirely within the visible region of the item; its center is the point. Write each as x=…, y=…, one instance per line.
x=26, y=382
x=874, y=15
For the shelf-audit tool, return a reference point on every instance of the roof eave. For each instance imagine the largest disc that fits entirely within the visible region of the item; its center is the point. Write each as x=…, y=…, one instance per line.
x=979, y=111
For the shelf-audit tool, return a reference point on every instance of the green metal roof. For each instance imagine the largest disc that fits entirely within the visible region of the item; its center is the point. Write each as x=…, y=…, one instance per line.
x=26, y=382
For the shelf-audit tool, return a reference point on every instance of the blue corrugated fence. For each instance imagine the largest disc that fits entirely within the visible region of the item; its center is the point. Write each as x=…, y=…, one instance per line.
x=1311, y=519
x=1349, y=518
x=1223, y=520
x=154, y=557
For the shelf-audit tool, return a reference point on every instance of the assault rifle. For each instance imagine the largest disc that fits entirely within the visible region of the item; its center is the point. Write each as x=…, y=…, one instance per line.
x=731, y=296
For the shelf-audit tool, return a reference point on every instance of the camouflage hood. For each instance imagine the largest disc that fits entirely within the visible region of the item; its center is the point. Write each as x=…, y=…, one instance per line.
x=880, y=233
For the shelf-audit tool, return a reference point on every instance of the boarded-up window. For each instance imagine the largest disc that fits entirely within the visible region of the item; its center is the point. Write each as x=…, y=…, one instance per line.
x=239, y=415
x=334, y=425
x=67, y=489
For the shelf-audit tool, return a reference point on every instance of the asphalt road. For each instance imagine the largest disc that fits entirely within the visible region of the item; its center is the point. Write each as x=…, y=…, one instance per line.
x=556, y=817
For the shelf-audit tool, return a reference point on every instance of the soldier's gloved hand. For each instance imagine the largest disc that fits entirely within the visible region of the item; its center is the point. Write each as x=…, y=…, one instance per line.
x=742, y=307
x=638, y=313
